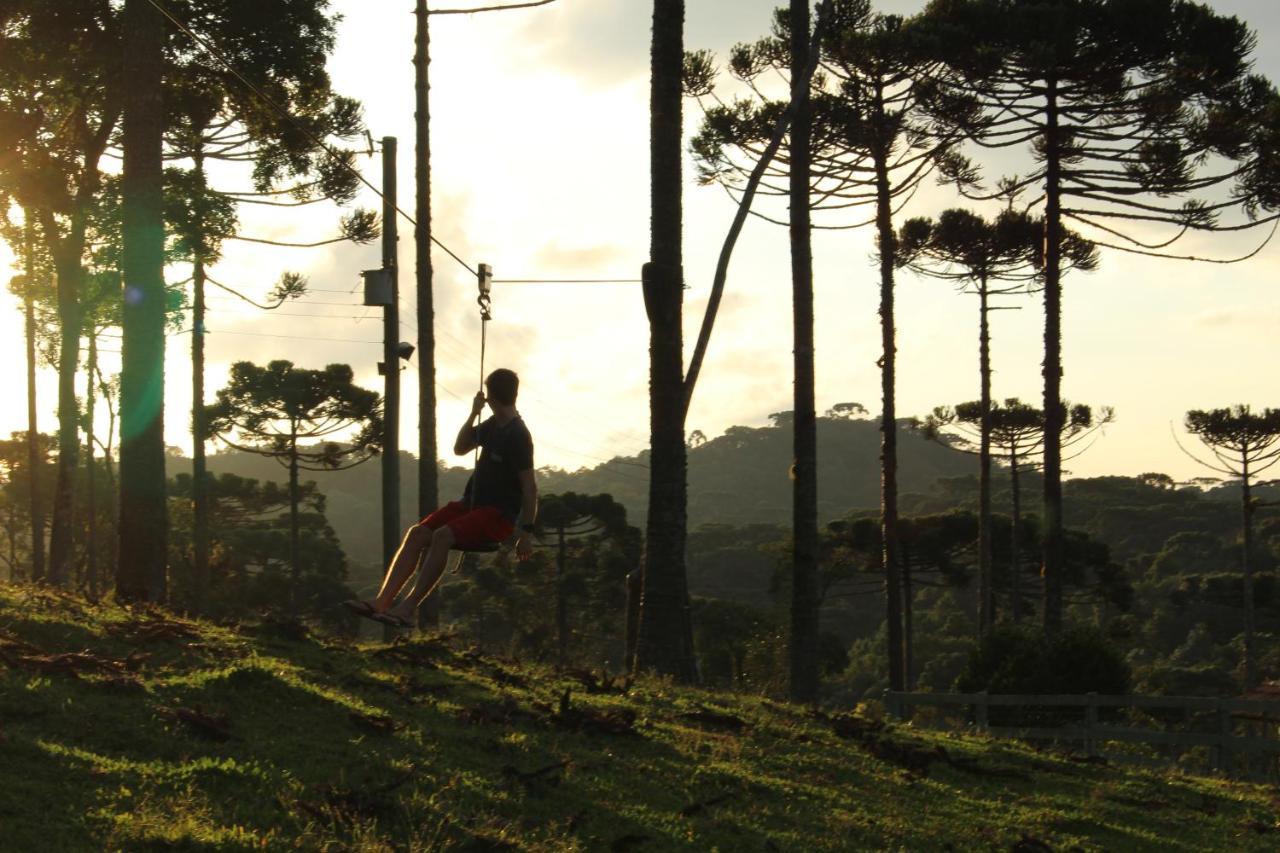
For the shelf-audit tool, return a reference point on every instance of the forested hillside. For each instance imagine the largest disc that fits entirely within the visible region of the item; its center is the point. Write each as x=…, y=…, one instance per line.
x=741, y=478
x=738, y=478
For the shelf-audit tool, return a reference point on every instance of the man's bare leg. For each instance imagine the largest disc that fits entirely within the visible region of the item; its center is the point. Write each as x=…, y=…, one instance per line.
x=416, y=540
x=429, y=575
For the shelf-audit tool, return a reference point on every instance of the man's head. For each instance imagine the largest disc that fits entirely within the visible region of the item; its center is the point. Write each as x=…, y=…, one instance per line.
x=502, y=386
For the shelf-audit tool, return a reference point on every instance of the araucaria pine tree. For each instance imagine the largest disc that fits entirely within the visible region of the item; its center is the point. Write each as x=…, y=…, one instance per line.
x=1244, y=444
x=1137, y=114
x=873, y=138
x=273, y=410
x=986, y=259
x=1015, y=434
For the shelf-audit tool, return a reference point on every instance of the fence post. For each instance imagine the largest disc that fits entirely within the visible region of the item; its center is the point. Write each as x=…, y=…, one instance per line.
x=892, y=705
x=980, y=712
x=1091, y=725
x=1223, y=762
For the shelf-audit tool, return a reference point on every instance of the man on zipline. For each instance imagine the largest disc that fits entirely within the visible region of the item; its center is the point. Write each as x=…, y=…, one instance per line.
x=501, y=492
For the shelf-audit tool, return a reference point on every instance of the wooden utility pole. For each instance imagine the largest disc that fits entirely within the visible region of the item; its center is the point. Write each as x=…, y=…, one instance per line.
x=428, y=473
x=390, y=360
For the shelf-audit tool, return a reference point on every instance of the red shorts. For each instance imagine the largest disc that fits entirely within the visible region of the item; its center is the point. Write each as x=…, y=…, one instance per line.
x=471, y=527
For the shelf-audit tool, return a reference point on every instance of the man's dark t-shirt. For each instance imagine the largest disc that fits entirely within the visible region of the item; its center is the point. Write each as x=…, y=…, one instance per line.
x=505, y=451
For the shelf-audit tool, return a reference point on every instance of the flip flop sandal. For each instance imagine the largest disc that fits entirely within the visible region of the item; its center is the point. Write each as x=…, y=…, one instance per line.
x=393, y=620
x=361, y=608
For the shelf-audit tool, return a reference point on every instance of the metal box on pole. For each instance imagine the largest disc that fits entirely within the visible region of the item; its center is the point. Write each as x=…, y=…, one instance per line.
x=378, y=287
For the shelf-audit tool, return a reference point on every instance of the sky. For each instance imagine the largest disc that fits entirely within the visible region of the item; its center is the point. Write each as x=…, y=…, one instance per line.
x=540, y=168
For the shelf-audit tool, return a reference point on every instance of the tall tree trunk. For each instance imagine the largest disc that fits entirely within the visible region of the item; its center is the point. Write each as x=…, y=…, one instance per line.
x=200, y=536
x=1246, y=565
x=35, y=459
x=1051, y=538
x=889, y=423
x=110, y=471
x=664, y=624
x=143, y=527
x=635, y=588
x=12, y=531
x=1015, y=543
x=804, y=505
x=908, y=623
x=70, y=280
x=91, y=469
x=295, y=549
x=562, y=606
x=986, y=598
x=428, y=472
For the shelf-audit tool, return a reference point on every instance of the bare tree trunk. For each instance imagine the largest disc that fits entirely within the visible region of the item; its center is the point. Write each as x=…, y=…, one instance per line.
x=986, y=599
x=200, y=537
x=804, y=506
x=35, y=459
x=908, y=623
x=12, y=532
x=91, y=469
x=428, y=472
x=1015, y=543
x=635, y=586
x=110, y=471
x=562, y=606
x=889, y=424
x=1246, y=565
x=295, y=547
x=664, y=624
x=1051, y=538
x=61, y=547
x=143, y=528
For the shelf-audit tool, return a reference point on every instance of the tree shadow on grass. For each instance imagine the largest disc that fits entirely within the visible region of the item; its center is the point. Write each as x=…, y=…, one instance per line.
x=51, y=636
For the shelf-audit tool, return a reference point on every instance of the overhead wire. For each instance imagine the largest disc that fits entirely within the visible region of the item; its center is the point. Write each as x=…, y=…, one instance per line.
x=213, y=51
x=291, y=337
x=322, y=145
x=568, y=281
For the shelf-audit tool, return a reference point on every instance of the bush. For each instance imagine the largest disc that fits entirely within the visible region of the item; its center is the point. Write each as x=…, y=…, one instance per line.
x=1022, y=660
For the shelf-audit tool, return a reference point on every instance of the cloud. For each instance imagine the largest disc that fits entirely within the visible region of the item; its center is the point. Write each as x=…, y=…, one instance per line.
x=604, y=41
x=596, y=260
x=607, y=41
x=1234, y=321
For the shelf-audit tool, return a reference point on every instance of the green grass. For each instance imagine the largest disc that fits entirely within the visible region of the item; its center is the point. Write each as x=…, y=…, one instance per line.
x=316, y=743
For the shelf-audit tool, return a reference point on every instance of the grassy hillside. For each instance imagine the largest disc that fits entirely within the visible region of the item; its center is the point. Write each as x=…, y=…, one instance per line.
x=142, y=731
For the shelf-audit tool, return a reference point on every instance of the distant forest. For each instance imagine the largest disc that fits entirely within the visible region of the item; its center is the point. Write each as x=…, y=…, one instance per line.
x=740, y=479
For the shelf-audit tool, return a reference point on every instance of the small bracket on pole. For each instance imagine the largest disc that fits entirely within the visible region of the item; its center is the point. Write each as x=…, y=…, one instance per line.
x=484, y=281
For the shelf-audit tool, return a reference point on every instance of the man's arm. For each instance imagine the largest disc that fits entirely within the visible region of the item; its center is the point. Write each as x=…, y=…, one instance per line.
x=468, y=436
x=528, y=513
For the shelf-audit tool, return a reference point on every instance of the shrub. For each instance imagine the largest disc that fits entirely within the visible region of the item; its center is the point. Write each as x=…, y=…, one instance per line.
x=1022, y=660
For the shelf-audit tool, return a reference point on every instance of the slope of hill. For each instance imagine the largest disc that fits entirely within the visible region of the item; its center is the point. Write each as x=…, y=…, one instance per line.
x=137, y=730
